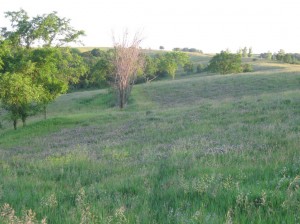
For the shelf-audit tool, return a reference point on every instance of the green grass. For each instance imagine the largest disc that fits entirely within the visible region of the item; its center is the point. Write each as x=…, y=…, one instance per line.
x=201, y=149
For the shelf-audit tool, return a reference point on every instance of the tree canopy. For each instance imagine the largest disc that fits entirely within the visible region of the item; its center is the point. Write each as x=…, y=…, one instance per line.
x=225, y=63
x=35, y=63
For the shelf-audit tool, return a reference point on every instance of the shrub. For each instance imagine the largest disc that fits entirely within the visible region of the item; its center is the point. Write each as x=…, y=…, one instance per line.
x=225, y=63
x=247, y=68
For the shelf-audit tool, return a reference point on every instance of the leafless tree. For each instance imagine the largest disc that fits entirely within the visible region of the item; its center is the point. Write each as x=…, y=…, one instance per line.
x=128, y=60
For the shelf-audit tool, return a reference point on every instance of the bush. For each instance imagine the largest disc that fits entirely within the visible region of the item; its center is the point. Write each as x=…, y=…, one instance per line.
x=225, y=63
x=247, y=68
x=200, y=68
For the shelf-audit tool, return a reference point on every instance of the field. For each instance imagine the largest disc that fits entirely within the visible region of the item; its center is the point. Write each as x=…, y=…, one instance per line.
x=203, y=148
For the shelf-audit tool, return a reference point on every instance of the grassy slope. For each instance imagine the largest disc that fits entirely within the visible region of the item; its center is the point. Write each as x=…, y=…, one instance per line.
x=204, y=149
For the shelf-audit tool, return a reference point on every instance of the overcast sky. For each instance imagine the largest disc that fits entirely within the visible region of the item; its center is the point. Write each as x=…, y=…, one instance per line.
x=209, y=25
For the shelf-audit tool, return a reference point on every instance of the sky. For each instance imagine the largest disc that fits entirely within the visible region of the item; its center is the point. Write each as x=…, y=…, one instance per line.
x=208, y=25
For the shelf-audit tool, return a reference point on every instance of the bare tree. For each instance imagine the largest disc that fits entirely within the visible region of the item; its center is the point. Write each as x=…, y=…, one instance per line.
x=128, y=60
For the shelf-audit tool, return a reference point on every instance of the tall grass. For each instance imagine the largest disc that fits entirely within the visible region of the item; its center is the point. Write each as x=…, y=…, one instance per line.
x=213, y=149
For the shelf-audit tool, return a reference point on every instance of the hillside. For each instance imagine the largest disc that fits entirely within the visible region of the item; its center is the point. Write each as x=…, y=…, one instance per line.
x=200, y=149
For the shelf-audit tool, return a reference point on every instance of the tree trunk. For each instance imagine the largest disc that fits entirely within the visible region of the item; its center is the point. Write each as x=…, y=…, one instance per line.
x=15, y=124
x=122, y=99
x=24, y=121
x=45, y=112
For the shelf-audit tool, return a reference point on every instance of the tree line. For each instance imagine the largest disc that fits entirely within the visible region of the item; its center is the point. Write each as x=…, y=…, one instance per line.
x=281, y=56
x=186, y=49
x=37, y=65
x=155, y=66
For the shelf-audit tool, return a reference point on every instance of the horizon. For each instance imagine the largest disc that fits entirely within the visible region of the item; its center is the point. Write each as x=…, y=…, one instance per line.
x=208, y=26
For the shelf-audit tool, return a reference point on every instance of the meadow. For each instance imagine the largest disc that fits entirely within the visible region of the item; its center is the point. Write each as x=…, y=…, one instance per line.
x=203, y=148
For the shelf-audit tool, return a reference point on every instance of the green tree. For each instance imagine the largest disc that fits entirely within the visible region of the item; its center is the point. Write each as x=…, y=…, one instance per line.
x=100, y=68
x=170, y=61
x=225, y=63
x=189, y=68
x=280, y=55
x=151, y=68
x=96, y=52
x=250, y=52
x=245, y=52
x=44, y=30
x=19, y=95
x=247, y=68
x=47, y=70
x=101, y=71
x=240, y=51
x=288, y=58
x=55, y=69
x=200, y=68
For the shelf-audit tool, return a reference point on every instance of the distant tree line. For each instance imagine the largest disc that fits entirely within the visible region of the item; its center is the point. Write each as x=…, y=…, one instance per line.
x=281, y=56
x=245, y=52
x=188, y=50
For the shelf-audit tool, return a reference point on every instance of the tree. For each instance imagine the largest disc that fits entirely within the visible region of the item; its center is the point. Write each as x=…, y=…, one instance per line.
x=19, y=95
x=45, y=30
x=100, y=68
x=240, y=51
x=200, y=68
x=225, y=63
x=127, y=61
x=96, y=52
x=250, y=52
x=151, y=68
x=170, y=61
x=189, y=68
x=267, y=55
x=38, y=74
x=55, y=69
x=245, y=50
x=280, y=55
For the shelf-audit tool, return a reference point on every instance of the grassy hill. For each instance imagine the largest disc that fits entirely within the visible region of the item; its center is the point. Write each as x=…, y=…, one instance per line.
x=199, y=149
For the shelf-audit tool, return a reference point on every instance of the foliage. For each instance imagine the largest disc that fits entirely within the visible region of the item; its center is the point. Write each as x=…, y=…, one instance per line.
x=225, y=63
x=100, y=66
x=282, y=57
x=55, y=69
x=100, y=69
x=44, y=72
x=267, y=55
x=250, y=52
x=151, y=68
x=19, y=95
x=189, y=68
x=245, y=52
x=96, y=52
x=45, y=30
x=247, y=68
x=200, y=68
x=185, y=49
x=169, y=62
